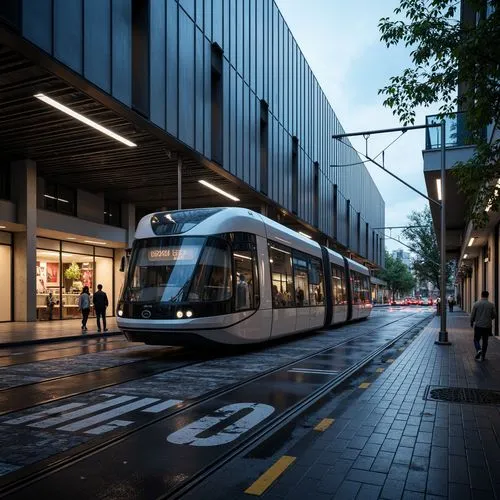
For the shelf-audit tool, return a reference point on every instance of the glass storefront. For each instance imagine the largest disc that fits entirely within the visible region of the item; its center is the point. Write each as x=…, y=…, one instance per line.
x=6, y=276
x=63, y=269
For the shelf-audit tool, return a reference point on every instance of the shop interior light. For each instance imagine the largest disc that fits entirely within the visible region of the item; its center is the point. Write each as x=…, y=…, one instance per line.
x=471, y=241
x=306, y=235
x=95, y=242
x=466, y=256
x=242, y=256
x=83, y=119
x=438, y=186
x=3, y=227
x=70, y=238
x=219, y=190
x=55, y=198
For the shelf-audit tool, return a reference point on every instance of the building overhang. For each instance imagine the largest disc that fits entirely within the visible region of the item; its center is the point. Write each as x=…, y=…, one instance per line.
x=455, y=200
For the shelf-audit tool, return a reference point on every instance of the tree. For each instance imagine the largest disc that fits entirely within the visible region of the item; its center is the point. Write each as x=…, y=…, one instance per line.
x=397, y=275
x=420, y=232
x=446, y=53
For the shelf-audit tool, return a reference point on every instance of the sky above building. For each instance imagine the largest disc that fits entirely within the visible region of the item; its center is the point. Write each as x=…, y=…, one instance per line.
x=341, y=42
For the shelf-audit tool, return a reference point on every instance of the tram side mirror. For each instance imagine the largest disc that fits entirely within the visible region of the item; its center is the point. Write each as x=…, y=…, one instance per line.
x=123, y=263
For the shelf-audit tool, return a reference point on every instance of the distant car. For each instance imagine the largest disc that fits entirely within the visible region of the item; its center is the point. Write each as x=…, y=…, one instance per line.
x=428, y=301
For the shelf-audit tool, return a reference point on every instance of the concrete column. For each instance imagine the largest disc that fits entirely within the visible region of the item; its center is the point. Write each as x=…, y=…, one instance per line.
x=25, y=192
x=128, y=219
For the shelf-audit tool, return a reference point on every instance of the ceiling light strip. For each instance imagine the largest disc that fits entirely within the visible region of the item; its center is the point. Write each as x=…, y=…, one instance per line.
x=83, y=119
x=218, y=190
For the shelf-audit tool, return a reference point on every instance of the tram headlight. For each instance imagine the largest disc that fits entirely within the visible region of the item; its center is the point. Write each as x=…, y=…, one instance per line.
x=120, y=313
x=189, y=314
x=179, y=314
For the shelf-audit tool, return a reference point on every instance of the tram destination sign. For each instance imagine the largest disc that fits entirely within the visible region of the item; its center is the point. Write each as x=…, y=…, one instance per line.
x=172, y=254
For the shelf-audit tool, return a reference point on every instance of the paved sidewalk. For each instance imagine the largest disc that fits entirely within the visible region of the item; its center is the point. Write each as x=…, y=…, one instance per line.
x=19, y=333
x=391, y=443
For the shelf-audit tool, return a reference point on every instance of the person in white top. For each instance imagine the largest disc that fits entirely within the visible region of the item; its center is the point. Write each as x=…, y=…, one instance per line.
x=84, y=305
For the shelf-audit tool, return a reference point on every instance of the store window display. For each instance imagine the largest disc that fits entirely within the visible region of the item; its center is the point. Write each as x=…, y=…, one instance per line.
x=64, y=274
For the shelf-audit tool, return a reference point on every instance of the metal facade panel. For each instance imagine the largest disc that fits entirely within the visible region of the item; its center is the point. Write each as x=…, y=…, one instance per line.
x=207, y=77
x=121, y=51
x=37, y=23
x=217, y=22
x=97, y=43
x=188, y=6
x=199, y=92
x=186, y=78
x=68, y=33
x=172, y=43
x=157, y=70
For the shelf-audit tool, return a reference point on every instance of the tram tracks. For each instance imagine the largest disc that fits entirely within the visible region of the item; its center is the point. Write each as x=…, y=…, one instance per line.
x=17, y=481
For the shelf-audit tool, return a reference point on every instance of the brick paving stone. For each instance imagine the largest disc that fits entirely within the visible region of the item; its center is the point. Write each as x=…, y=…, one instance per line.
x=403, y=455
x=392, y=489
x=347, y=490
x=364, y=476
x=390, y=445
x=369, y=492
x=364, y=463
x=408, y=441
x=439, y=457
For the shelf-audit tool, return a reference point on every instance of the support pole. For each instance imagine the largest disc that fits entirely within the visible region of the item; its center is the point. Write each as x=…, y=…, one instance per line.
x=443, y=334
x=179, y=183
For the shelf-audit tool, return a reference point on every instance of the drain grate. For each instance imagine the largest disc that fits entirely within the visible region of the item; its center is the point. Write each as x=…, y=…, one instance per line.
x=463, y=395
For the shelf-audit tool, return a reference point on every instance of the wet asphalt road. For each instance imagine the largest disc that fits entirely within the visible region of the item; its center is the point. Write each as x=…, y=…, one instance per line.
x=88, y=395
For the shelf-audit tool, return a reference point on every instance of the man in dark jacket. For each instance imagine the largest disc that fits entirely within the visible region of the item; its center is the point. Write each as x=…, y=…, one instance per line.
x=481, y=318
x=100, y=304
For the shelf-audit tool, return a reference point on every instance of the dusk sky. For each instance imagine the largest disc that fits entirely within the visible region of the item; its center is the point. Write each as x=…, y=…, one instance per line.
x=341, y=43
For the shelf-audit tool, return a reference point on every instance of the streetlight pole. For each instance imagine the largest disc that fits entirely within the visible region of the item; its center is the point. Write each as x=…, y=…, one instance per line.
x=443, y=334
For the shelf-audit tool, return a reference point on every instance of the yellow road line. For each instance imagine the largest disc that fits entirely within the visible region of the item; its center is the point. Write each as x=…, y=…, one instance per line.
x=268, y=478
x=365, y=385
x=324, y=424
x=380, y=370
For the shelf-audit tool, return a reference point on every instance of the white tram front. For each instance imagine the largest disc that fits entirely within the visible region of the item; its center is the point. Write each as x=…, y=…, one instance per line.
x=233, y=276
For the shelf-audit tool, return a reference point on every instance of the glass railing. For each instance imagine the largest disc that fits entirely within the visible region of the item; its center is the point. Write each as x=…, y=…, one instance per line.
x=457, y=134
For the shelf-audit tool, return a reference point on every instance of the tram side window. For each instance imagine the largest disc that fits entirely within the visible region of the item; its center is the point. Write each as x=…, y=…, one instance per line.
x=338, y=285
x=245, y=267
x=316, y=283
x=280, y=260
x=213, y=279
x=366, y=289
x=356, y=287
x=301, y=275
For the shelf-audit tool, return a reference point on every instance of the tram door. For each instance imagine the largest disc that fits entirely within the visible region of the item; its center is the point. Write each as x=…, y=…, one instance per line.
x=282, y=290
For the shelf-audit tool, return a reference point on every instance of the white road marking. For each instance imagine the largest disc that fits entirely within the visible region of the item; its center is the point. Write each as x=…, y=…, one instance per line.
x=162, y=406
x=80, y=413
x=189, y=433
x=111, y=426
x=44, y=413
x=101, y=417
x=312, y=370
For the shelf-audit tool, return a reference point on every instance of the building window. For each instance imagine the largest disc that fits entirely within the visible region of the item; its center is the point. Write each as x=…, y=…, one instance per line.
x=59, y=199
x=295, y=175
x=5, y=182
x=140, y=56
x=316, y=194
x=217, y=113
x=112, y=212
x=264, y=146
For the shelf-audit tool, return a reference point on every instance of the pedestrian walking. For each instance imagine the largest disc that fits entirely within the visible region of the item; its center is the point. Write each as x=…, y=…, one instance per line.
x=451, y=303
x=481, y=318
x=84, y=305
x=100, y=303
x=50, y=304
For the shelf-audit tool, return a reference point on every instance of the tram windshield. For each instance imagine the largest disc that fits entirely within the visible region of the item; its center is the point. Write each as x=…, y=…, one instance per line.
x=178, y=269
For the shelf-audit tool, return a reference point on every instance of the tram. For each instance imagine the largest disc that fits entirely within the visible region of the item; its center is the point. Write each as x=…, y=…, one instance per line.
x=233, y=276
